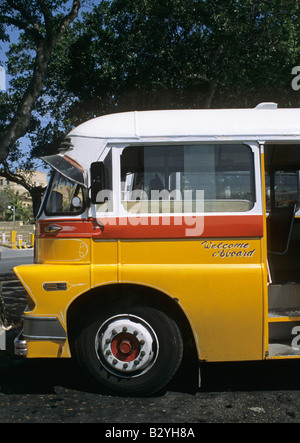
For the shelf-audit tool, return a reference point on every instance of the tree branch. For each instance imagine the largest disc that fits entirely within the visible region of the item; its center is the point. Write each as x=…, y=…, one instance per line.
x=35, y=192
x=32, y=29
x=16, y=178
x=47, y=13
x=69, y=18
x=23, y=11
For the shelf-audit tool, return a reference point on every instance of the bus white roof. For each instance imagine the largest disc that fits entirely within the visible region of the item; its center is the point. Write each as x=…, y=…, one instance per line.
x=265, y=122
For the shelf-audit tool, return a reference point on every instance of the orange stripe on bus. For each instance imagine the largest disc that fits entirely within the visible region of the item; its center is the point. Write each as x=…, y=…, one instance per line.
x=211, y=226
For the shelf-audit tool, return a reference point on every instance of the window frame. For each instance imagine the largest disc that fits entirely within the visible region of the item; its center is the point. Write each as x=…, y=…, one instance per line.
x=117, y=151
x=63, y=213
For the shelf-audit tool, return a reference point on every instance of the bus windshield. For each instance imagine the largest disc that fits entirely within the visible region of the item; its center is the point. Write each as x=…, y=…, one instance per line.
x=64, y=196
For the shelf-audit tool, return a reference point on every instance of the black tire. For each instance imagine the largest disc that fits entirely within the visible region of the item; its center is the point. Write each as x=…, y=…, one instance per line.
x=135, y=353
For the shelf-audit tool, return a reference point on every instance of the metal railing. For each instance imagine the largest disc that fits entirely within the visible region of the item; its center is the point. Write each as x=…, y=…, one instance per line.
x=16, y=240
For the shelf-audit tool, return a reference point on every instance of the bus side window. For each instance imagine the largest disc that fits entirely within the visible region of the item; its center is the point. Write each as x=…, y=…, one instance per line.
x=173, y=179
x=286, y=184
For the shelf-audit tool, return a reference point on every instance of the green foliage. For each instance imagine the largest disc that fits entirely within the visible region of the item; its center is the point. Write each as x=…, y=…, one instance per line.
x=22, y=213
x=152, y=54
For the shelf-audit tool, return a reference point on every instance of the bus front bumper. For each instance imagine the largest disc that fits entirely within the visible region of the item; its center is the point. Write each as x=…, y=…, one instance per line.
x=41, y=337
x=20, y=345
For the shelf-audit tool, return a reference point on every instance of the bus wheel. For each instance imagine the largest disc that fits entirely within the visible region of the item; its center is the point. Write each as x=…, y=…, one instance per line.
x=135, y=353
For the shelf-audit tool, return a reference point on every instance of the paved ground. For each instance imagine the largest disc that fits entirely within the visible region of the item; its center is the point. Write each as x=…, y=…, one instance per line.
x=13, y=257
x=53, y=391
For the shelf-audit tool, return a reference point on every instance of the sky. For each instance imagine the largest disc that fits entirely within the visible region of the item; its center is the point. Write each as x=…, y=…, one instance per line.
x=2, y=79
x=4, y=47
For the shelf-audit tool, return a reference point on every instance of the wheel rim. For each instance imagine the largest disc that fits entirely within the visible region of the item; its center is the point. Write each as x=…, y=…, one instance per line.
x=126, y=345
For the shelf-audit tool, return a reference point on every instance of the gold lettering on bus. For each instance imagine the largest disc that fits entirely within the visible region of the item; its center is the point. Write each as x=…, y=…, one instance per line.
x=228, y=249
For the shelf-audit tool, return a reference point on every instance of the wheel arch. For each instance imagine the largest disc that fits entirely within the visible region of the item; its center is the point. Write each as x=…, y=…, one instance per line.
x=128, y=295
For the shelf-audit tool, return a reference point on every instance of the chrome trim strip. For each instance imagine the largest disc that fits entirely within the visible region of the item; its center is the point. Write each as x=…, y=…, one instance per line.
x=55, y=286
x=43, y=328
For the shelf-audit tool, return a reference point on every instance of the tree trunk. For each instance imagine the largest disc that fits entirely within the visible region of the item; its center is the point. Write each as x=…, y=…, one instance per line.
x=36, y=196
x=45, y=44
x=212, y=87
x=21, y=121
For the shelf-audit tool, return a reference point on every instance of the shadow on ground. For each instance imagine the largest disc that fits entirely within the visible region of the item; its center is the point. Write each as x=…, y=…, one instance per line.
x=32, y=376
x=40, y=376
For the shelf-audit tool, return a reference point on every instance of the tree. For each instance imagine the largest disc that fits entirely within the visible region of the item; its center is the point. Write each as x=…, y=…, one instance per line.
x=43, y=24
x=151, y=54
x=170, y=53
x=21, y=213
x=154, y=54
x=6, y=197
x=23, y=178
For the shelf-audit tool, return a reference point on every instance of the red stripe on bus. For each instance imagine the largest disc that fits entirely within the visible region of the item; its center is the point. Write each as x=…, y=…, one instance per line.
x=156, y=227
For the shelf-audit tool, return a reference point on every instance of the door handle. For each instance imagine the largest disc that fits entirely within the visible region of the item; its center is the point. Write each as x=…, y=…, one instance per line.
x=101, y=226
x=52, y=228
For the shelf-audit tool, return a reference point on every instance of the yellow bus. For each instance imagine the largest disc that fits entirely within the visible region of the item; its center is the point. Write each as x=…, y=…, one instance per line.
x=163, y=231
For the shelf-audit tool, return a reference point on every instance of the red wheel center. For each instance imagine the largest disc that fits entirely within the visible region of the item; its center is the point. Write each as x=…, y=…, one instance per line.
x=125, y=347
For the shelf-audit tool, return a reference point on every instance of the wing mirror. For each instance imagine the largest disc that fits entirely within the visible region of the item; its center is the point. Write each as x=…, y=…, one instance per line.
x=99, y=182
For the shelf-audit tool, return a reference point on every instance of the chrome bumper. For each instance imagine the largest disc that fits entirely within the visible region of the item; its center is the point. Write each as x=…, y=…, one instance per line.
x=20, y=345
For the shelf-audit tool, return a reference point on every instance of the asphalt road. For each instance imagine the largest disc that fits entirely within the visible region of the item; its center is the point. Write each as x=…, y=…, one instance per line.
x=11, y=258
x=54, y=391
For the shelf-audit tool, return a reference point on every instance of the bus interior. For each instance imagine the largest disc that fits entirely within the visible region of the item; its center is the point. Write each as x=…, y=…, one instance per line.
x=282, y=170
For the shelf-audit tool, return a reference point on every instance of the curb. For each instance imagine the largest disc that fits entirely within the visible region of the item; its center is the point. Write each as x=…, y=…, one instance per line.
x=9, y=246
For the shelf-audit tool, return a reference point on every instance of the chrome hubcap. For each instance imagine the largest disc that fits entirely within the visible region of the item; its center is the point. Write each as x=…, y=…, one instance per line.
x=126, y=344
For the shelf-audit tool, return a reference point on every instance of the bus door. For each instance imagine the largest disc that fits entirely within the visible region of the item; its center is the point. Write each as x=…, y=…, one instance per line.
x=282, y=164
